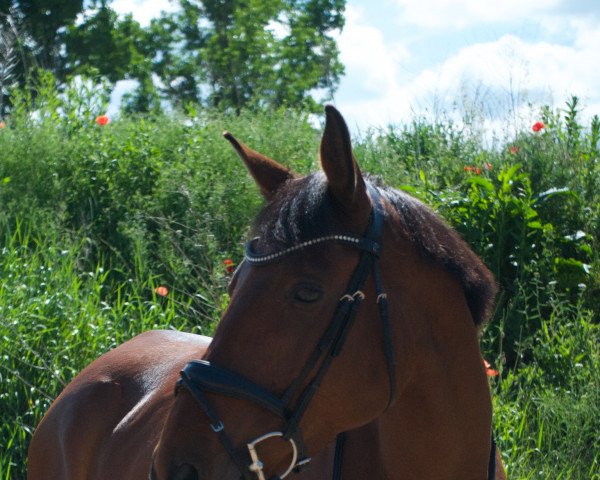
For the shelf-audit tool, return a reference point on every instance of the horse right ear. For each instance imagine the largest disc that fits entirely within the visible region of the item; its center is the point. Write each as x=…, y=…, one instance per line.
x=267, y=173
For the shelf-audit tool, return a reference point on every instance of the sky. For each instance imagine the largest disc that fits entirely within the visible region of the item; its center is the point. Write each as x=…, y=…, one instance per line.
x=497, y=61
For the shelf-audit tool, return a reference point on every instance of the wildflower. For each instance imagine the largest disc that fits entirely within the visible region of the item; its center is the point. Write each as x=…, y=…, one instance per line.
x=162, y=291
x=229, y=265
x=513, y=150
x=488, y=166
x=537, y=126
x=472, y=168
x=2, y=125
x=102, y=120
x=489, y=371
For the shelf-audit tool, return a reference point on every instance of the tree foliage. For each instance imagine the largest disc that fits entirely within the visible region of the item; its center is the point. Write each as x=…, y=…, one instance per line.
x=230, y=54
x=31, y=36
x=249, y=53
x=41, y=25
x=114, y=47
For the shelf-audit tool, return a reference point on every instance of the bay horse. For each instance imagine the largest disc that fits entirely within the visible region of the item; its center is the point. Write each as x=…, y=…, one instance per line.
x=349, y=350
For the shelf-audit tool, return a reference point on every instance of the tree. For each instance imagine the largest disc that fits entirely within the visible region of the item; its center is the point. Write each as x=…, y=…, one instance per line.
x=114, y=47
x=31, y=33
x=9, y=60
x=41, y=27
x=230, y=54
x=71, y=38
x=236, y=54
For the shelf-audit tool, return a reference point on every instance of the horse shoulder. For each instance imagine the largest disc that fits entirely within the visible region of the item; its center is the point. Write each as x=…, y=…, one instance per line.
x=91, y=420
x=64, y=443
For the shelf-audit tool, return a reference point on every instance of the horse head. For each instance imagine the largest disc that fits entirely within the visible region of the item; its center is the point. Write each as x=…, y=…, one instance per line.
x=350, y=299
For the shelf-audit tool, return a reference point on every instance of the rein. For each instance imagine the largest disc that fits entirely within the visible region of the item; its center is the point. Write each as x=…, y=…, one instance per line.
x=200, y=376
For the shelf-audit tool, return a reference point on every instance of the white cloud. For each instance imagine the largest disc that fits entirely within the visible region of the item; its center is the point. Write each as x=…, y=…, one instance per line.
x=366, y=54
x=121, y=88
x=500, y=76
x=520, y=68
x=373, y=72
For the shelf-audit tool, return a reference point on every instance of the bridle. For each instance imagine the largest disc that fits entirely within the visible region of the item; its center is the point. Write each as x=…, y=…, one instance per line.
x=200, y=376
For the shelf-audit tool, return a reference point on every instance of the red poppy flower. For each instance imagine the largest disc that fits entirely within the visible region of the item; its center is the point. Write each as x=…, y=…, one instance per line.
x=229, y=265
x=489, y=371
x=488, y=166
x=513, y=150
x=477, y=171
x=162, y=291
x=2, y=125
x=102, y=120
x=468, y=168
x=537, y=126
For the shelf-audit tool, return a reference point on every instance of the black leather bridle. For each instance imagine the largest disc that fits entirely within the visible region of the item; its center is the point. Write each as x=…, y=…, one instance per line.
x=200, y=376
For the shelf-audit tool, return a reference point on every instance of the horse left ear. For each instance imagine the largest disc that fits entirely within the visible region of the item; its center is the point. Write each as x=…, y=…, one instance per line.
x=267, y=173
x=344, y=178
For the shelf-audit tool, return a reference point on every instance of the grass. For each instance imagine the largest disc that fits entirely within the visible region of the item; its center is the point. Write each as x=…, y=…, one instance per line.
x=95, y=218
x=546, y=410
x=56, y=318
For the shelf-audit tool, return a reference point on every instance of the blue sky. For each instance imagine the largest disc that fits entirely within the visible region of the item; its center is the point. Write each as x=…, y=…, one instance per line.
x=447, y=57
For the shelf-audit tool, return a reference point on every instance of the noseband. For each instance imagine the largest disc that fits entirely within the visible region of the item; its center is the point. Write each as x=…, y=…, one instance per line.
x=200, y=376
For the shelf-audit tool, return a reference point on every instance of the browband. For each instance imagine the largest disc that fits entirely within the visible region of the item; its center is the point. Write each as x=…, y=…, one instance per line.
x=361, y=243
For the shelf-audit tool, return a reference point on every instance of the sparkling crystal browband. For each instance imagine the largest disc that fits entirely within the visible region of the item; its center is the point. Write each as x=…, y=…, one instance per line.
x=258, y=259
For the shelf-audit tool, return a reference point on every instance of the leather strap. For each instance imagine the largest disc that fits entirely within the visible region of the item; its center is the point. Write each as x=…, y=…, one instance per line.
x=492, y=462
x=212, y=378
x=338, y=457
x=216, y=425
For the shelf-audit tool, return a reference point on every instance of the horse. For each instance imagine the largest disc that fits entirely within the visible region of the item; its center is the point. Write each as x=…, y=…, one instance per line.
x=349, y=350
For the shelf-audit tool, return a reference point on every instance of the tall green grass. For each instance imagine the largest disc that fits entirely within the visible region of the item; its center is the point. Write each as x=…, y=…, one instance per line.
x=55, y=318
x=95, y=218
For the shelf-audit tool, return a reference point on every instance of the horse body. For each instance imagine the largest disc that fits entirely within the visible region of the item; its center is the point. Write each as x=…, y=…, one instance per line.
x=106, y=423
x=357, y=310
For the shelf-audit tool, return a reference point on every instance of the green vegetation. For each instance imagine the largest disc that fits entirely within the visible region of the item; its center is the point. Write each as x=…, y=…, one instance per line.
x=95, y=218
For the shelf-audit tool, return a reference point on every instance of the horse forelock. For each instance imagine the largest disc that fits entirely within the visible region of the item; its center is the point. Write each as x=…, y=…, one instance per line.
x=302, y=209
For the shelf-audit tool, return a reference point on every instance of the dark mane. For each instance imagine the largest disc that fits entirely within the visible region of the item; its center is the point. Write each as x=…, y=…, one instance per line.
x=302, y=210
x=441, y=244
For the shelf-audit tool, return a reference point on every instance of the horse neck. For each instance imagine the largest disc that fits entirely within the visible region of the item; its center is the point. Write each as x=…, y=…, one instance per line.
x=444, y=410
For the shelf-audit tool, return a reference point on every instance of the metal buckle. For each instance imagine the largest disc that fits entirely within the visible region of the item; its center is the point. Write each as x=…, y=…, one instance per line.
x=257, y=466
x=218, y=427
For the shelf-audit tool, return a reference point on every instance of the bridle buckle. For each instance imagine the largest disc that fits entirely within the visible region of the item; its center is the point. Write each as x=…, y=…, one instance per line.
x=257, y=465
x=217, y=427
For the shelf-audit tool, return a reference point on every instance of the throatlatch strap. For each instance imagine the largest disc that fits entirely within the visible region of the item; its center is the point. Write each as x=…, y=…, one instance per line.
x=338, y=457
x=492, y=463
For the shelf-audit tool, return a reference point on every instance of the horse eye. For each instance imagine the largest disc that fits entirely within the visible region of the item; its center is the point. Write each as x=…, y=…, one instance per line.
x=307, y=294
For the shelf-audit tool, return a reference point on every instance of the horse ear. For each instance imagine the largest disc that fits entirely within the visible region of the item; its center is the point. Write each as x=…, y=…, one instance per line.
x=344, y=179
x=268, y=174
